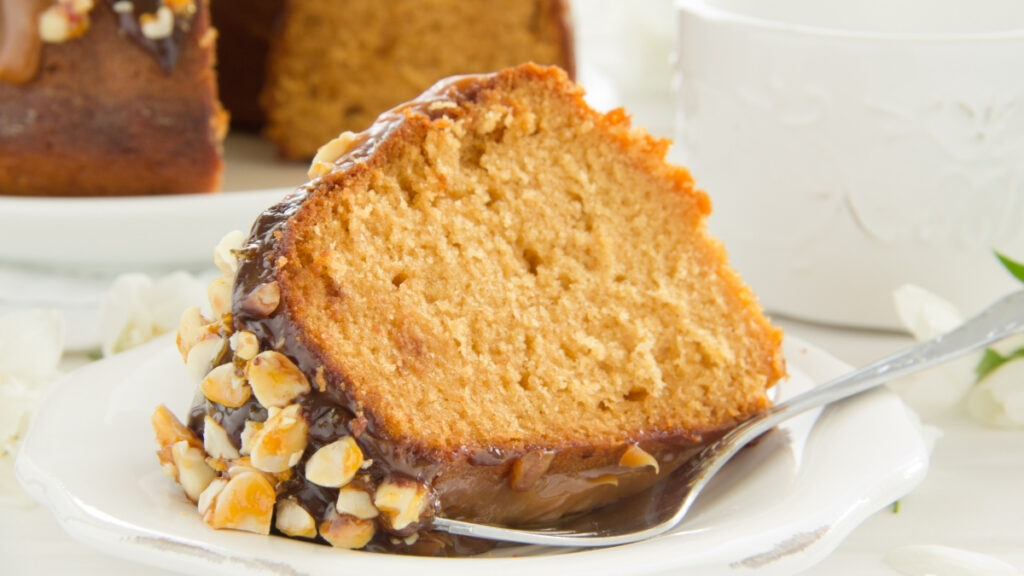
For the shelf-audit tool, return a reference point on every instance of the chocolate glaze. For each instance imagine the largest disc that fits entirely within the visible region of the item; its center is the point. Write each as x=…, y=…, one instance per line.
x=165, y=50
x=21, y=47
x=231, y=419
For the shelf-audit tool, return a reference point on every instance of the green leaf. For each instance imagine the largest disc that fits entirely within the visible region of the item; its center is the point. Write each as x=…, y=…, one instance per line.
x=989, y=362
x=1015, y=268
x=993, y=360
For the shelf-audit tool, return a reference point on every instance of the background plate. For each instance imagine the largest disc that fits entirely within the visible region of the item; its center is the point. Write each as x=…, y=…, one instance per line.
x=779, y=507
x=147, y=233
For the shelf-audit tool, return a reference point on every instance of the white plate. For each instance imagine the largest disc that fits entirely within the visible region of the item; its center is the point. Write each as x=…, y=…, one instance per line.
x=779, y=507
x=120, y=234
x=149, y=233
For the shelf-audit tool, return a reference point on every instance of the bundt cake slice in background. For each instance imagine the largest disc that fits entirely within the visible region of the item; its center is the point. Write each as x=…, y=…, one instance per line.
x=108, y=98
x=495, y=304
x=335, y=66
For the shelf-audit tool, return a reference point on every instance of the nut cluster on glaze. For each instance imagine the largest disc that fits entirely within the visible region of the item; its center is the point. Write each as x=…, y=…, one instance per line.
x=242, y=485
x=64, y=20
x=67, y=19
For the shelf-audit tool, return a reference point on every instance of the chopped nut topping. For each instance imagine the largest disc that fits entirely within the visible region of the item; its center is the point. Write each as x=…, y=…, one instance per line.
x=294, y=520
x=181, y=7
x=192, y=329
x=245, y=344
x=246, y=502
x=219, y=295
x=335, y=464
x=224, y=386
x=216, y=441
x=344, y=531
x=329, y=153
x=402, y=503
x=528, y=468
x=248, y=435
x=157, y=26
x=205, y=355
x=275, y=380
x=64, y=20
x=279, y=444
x=194, y=474
x=225, y=255
x=355, y=501
x=243, y=465
x=637, y=457
x=207, y=498
x=169, y=430
x=263, y=300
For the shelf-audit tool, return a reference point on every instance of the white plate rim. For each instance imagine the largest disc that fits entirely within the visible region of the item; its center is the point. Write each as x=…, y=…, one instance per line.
x=122, y=233
x=794, y=548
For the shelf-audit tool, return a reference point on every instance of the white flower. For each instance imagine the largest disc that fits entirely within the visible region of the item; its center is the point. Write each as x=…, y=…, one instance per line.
x=935, y=391
x=137, y=309
x=31, y=345
x=997, y=400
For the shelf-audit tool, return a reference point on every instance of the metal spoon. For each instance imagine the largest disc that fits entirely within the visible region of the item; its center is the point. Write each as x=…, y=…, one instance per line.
x=663, y=506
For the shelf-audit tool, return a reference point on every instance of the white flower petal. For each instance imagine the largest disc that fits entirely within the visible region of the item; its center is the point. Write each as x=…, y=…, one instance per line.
x=933, y=560
x=137, y=309
x=936, y=391
x=925, y=314
x=31, y=343
x=172, y=294
x=999, y=398
x=124, y=316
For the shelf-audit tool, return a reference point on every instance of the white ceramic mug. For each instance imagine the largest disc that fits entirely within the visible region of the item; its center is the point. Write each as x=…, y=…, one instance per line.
x=852, y=147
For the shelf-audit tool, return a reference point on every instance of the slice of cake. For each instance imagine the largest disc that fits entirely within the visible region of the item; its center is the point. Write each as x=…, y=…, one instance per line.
x=334, y=67
x=495, y=304
x=108, y=98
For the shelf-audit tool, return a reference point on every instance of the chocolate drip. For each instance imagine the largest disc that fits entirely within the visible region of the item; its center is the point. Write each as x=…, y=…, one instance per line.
x=231, y=419
x=165, y=50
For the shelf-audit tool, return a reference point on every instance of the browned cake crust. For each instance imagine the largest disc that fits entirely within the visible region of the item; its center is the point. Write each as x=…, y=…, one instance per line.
x=102, y=118
x=440, y=406
x=331, y=70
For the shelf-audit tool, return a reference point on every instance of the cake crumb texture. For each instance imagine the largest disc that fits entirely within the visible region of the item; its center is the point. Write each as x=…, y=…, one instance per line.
x=374, y=55
x=518, y=270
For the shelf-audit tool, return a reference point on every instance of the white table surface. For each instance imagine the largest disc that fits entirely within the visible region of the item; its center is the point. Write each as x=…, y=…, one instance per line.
x=972, y=498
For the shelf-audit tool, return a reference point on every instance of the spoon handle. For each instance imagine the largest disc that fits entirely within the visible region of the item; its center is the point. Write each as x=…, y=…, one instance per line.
x=1002, y=319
